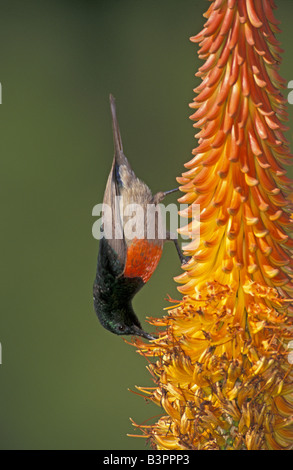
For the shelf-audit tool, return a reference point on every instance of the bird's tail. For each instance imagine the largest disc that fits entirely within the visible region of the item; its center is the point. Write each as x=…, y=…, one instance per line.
x=120, y=158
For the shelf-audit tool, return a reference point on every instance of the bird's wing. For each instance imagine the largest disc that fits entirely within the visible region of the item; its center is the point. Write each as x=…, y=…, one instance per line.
x=113, y=219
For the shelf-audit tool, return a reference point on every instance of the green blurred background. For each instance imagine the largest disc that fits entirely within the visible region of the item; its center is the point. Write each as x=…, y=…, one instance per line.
x=64, y=380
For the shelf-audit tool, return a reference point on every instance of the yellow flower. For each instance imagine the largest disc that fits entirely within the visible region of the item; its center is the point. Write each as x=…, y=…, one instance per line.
x=222, y=373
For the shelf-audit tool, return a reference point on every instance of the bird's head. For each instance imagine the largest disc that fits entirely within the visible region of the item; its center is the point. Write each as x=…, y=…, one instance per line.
x=121, y=320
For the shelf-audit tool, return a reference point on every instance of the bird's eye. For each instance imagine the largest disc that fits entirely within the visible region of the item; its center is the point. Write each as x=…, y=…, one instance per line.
x=121, y=328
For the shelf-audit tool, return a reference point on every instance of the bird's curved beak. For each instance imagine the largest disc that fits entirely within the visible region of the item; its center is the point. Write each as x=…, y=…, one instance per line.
x=140, y=332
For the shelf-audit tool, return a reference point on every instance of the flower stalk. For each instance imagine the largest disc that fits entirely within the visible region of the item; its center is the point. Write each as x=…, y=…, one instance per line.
x=221, y=369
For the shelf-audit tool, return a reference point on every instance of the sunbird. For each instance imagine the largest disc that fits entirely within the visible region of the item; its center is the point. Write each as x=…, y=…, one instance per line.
x=125, y=263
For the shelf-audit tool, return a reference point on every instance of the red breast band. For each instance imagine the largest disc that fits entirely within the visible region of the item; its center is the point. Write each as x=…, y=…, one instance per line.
x=142, y=259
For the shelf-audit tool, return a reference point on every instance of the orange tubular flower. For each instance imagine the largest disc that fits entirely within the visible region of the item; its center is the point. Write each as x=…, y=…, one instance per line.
x=222, y=373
